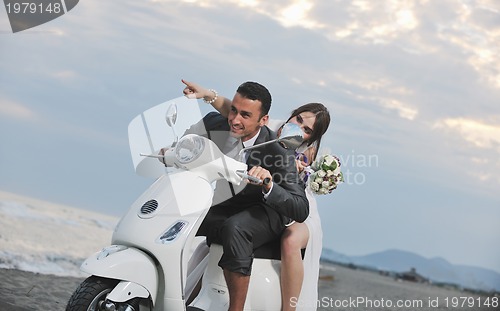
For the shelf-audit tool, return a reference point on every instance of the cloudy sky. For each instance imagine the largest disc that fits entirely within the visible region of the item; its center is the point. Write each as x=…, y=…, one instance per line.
x=413, y=88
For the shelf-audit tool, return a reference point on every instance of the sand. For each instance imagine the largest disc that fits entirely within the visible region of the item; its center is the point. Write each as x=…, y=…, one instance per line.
x=23, y=291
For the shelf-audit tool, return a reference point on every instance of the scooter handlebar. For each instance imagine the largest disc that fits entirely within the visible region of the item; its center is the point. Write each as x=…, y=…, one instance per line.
x=256, y=180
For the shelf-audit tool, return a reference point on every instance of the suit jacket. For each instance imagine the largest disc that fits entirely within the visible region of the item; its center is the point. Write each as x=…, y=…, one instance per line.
x=287, y=198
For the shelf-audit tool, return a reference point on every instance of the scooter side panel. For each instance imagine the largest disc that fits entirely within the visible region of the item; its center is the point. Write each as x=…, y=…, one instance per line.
x=264, y=291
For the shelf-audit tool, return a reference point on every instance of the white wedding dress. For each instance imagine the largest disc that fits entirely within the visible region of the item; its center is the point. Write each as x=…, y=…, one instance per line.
x=309, y=293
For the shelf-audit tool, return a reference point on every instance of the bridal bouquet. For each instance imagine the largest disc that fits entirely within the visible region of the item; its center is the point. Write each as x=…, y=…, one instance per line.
x=324, y=174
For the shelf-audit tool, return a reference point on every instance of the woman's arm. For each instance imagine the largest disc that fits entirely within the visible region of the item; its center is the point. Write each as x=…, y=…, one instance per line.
x=306, y=158
x=220, y=103
x=310, y=153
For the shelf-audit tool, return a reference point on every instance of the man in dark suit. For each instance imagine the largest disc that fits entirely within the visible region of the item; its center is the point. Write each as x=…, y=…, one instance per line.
x=257, y=214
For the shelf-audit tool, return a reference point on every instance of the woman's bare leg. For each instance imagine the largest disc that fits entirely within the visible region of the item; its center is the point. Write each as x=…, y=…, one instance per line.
x=294, y=239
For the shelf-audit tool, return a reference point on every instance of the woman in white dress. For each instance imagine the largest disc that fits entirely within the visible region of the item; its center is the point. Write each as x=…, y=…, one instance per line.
x=299, y=277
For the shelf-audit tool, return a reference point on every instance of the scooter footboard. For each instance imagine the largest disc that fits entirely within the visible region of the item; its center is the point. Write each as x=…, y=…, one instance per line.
x=126, y=264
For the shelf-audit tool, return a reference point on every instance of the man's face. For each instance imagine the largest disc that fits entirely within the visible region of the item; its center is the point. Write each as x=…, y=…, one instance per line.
x=244, y=118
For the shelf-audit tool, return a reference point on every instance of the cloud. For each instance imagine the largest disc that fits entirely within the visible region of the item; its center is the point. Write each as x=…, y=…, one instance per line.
x=416, y=44
x=483, y=166
x=384, y=23
x=476, y=32
x=470, y=27
x=290, y=13
x=16, y=110
x=383, y=92
x=477, y=133
x=297, y=14
x=404, y=111
x=366, y=21
x=65, y=75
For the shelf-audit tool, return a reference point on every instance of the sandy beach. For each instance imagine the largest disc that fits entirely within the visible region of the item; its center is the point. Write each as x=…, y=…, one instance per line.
x=340, y=288
x=22, y=290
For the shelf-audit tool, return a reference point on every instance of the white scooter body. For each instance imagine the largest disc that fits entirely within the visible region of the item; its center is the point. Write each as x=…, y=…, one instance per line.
x=154, y=241
x=264, y=292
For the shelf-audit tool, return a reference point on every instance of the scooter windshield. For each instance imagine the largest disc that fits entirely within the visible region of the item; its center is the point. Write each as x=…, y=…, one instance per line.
x=149, y=132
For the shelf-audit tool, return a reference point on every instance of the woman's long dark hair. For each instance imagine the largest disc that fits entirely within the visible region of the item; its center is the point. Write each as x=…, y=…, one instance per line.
x=320, y=124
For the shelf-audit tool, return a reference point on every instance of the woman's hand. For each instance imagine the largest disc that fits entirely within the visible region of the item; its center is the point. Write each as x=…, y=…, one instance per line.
x=300, y=165
x=301, y=162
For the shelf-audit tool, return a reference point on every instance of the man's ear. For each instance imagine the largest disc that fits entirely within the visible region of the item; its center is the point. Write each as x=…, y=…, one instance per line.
x=264, y=120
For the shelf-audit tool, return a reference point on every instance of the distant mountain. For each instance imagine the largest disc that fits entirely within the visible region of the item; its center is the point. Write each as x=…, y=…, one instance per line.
x=436, y=269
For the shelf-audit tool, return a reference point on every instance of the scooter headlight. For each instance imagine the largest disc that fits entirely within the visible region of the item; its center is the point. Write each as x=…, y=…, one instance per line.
x=189, y=148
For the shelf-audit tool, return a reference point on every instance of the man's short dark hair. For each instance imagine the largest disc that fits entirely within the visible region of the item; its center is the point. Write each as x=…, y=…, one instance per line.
x=256, y=91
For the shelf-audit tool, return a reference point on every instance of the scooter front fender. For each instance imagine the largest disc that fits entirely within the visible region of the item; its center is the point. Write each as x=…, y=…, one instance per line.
x=127, y=264
x=127, y=290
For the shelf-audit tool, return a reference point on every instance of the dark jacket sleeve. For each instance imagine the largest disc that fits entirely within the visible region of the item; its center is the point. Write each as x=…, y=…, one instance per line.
x=212, y=121
x=288, y=196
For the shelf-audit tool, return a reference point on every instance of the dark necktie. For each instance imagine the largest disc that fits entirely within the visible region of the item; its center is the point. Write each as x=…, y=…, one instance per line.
x=233, y=147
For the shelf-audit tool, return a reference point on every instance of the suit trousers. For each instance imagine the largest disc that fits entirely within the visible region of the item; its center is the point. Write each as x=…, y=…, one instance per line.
x=240, y=229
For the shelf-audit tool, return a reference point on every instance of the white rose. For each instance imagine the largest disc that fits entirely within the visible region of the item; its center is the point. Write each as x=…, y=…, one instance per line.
x=315, y=165
x=325, y=184
x=323, y=191
x=337, y=161
x=318, y=180
x=336, y=171
x=314, y=186
x=329, y=159
x=329, y=173
x=321, y=173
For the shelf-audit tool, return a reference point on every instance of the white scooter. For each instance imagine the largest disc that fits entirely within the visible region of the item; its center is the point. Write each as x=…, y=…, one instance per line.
x=155, y=261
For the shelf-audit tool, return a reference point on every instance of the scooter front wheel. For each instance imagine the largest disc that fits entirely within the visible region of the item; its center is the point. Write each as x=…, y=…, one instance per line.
x=91, y=295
